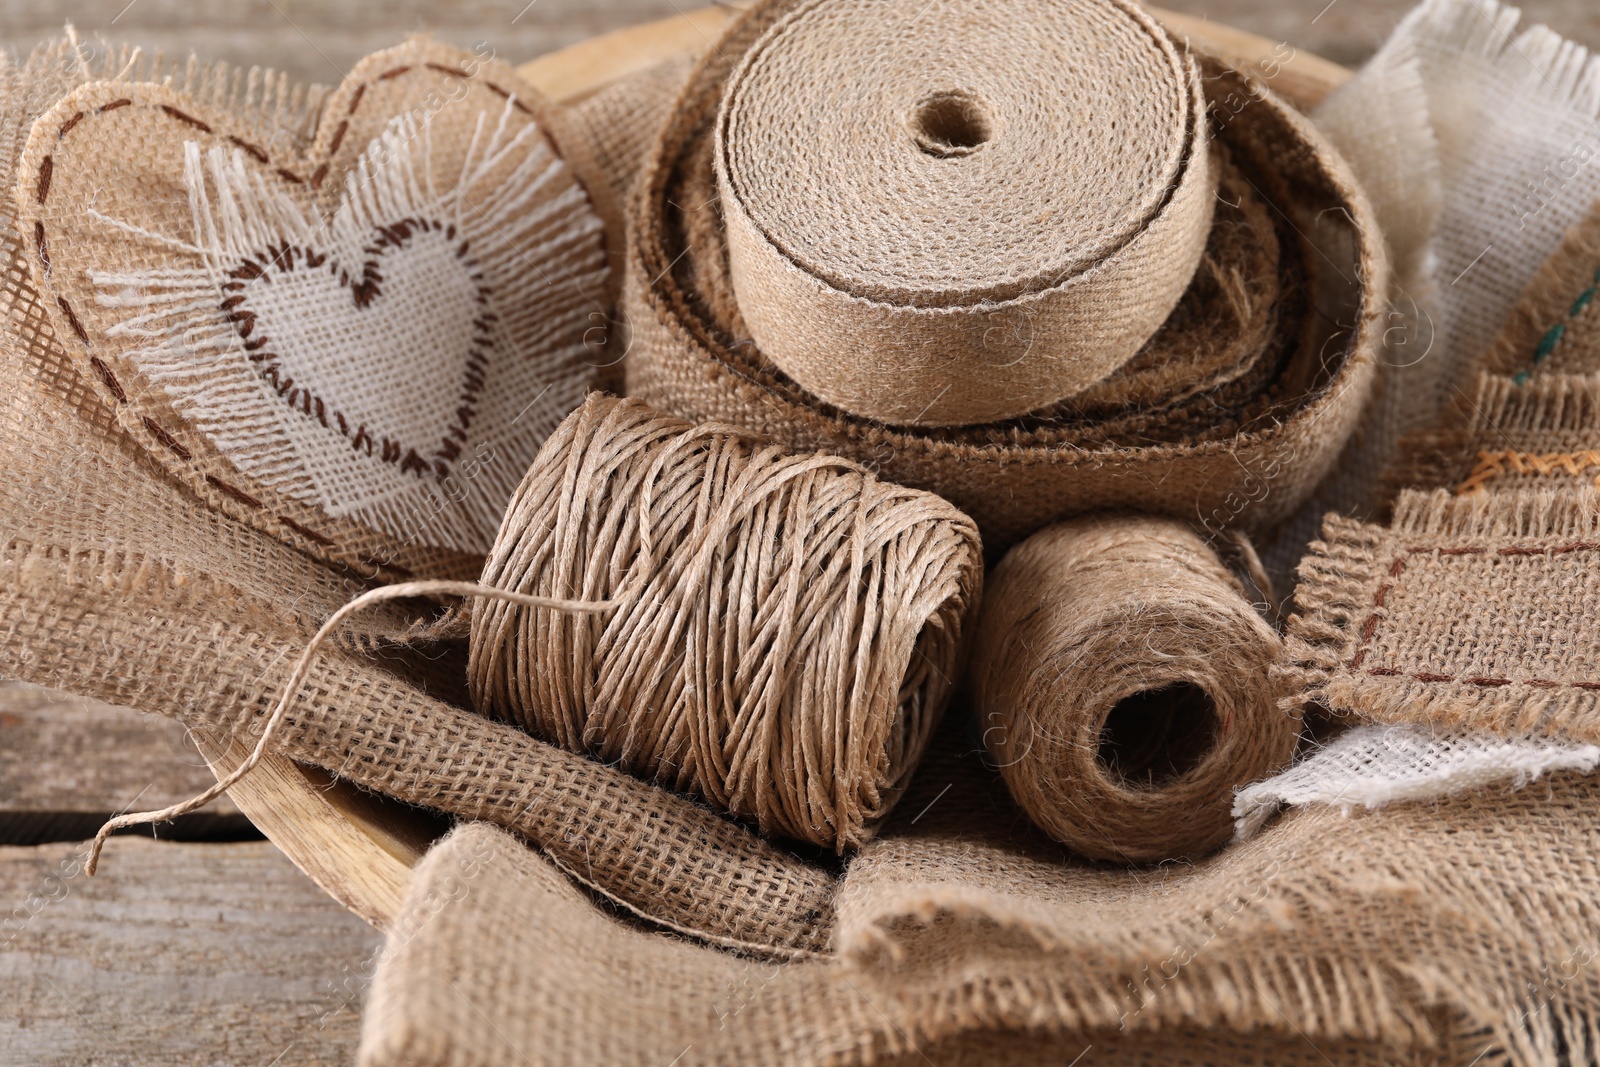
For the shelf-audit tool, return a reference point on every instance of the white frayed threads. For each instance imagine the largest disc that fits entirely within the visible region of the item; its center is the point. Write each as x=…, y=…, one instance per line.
x=354, y=360
x=1372, y=766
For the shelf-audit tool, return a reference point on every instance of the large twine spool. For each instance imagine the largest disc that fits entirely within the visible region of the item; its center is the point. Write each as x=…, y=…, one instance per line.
x=1229, y=415
x=949, y=212
x=785, y=631
x=1123, y=684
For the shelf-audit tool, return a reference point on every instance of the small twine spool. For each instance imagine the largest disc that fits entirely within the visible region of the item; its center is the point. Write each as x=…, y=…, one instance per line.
x=786, y=629
x=1123, y=683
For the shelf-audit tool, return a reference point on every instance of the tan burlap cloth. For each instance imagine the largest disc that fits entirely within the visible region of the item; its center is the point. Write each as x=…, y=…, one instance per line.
x=353, y=336
x=1228, y=416
x=1478, y=606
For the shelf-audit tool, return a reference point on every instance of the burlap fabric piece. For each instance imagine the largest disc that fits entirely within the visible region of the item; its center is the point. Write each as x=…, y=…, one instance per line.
x=615, y=125
x=1475, y=611
x=1475, y=607
x=1542, y=434
x=119, y=583
x=962, y=941
x=354, y=340
x=1245, y=461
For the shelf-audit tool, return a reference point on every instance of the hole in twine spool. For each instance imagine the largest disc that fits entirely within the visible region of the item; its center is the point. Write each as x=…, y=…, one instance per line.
x=951, y=124
x=1125, y=684
x=1158, y=735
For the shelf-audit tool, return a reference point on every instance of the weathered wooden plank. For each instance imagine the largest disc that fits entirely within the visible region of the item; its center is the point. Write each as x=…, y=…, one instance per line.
x=319, y=41
x=175, y=954
x=66, y=763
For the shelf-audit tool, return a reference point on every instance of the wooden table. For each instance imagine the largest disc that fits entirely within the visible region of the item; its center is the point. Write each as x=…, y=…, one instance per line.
x=207, y=946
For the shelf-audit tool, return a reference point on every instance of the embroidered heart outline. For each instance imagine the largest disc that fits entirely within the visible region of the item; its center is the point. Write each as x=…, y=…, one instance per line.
x=558, y=256
x=363, y=293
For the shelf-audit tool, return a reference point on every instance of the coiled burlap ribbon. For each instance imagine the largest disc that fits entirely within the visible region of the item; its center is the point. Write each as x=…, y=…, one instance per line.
x=1122, y=683
x=785, y=633
x=946, y=213
x=1228, y=416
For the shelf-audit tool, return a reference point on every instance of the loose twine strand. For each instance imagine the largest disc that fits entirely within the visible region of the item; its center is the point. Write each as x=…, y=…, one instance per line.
x=783, y=630
x=789, y=628
x=297, y=677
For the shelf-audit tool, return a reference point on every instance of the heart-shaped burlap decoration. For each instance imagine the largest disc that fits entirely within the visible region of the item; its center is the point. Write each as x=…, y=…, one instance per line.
x=355, y=339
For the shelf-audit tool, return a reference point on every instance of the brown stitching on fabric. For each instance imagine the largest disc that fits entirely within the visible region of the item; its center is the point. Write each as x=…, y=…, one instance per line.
x=259, y=154
x=1369, y=628
x=244, y=321
x=363, y=291
x=108, y=379
x=454, y=72
x=234, y=491
x=167, y=440
x=308, y=534
x=515, y=102
x=338, y=136
x=184, y=116
x=72, y=319
x=1492, y=465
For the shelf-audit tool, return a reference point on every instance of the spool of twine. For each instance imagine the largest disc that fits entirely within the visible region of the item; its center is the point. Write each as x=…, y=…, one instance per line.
x=1231, y=412
x=784, y=630
x=1123, y=683
x=955, y=211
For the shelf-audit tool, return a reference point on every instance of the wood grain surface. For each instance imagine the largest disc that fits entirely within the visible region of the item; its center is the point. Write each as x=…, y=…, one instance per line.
x=189, y=955
x=66, y=763
x=320, y=40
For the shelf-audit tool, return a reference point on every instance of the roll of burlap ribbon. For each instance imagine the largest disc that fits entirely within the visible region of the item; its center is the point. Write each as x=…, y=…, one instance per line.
x=1123, y=685
x=784, y=631
x=945, y=212
x=1228, y=416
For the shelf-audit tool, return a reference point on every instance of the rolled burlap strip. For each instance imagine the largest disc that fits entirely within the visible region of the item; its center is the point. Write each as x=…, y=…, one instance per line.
x=947, y=212
x=1122, y=683
x=786, y=628
x=1229, y=415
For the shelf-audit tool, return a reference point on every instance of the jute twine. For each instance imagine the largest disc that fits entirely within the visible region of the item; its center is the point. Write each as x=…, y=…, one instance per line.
x=1228, y=416
x=1000, y=202
x=781, y=633
x=1121, y=679
x=787, y=628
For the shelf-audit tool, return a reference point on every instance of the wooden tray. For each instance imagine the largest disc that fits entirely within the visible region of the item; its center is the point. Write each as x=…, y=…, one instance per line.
x=360, y=848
